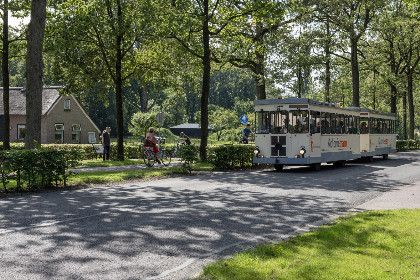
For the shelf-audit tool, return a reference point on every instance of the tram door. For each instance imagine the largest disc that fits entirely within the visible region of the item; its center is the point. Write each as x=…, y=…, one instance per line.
x=315, y=127
x=278, y=130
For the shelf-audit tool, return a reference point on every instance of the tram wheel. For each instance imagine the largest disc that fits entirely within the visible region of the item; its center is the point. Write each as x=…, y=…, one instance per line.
x=278, y=167
x=316, y=166
x=385, y=156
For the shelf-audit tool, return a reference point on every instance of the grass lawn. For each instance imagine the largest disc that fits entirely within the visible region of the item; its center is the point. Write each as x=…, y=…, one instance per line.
x=101, y=163
x=371, y=245
x=89, y=178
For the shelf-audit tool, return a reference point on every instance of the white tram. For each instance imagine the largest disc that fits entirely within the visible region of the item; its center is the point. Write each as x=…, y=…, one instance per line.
x=301, y=131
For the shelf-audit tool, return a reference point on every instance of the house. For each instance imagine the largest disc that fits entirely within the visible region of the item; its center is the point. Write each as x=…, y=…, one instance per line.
x=63, y=119
x=193, y=130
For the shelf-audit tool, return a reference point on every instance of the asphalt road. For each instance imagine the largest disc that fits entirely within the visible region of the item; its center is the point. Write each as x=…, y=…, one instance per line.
x=170, y=229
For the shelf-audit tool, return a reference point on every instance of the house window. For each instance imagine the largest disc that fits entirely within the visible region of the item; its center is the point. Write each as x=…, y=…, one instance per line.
x=59, y=133
x=75, y=134
x=21, y=131
x=67, y=104
x=92, y=137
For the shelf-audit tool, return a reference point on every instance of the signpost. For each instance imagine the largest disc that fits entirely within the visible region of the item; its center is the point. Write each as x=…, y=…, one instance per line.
x=160, y=119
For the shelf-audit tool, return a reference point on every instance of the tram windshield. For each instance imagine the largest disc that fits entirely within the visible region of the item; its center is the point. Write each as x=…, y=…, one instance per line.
x=281, y=122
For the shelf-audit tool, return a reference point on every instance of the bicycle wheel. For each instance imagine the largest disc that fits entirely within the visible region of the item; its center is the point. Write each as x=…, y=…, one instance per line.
x=149, y=157
x=166, y=157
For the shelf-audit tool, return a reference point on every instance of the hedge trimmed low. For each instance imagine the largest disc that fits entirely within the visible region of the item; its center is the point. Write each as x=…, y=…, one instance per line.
x=37, y=168
x=230, y=156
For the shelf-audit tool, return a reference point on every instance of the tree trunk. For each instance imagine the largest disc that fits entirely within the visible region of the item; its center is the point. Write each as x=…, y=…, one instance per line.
x=206, y=83
x=259, y=59
x=355, y=71
x=118, y=91
x=410, y=104
x=327, y=63
x=393, y=99
x=405, y=115
x=34, y=68
x=143, y=100
x=6, y=81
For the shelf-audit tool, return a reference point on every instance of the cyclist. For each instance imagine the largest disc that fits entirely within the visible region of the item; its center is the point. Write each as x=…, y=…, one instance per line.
x=245, y=134
x=151, y=141
x=185, y=138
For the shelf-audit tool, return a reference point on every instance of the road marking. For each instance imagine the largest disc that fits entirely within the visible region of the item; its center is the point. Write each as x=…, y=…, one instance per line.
x=44, y=224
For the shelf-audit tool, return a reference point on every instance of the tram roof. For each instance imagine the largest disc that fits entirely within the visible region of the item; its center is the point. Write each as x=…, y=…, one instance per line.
x=295, y=100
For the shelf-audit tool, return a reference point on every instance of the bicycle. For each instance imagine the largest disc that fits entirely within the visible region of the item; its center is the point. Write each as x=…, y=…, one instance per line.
x=150, y=158
x=175, y=149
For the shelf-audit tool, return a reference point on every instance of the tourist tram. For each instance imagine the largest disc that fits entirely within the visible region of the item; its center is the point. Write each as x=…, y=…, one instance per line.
x=301, y=131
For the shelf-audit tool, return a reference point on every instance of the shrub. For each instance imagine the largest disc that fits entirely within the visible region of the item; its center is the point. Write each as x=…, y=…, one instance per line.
x=227, y=157
x=37, y=168
x=404, y=145
x=188, y=155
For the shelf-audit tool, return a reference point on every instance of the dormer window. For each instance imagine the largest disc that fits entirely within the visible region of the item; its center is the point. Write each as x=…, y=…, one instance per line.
x=67, y=104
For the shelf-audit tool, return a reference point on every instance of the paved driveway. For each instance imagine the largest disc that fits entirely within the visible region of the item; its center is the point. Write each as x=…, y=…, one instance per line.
x=169, y=229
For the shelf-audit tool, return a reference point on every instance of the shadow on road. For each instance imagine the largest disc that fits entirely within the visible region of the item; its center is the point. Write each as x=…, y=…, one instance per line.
x=136, y=228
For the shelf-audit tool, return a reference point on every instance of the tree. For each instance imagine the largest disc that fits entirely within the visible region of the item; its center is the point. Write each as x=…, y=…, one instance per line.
x=197, y=26
x=34, y=71
x=222, y=119
x=99, y=42
x=353, y=17
x=7, y=54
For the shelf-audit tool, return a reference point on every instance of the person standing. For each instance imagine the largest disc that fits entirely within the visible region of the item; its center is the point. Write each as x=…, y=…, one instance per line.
x=106, y=143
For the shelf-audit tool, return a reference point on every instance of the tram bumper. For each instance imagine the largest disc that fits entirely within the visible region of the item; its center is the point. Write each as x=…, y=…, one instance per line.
x=286, y=161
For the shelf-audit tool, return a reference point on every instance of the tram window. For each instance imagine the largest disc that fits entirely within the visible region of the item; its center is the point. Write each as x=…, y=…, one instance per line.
x=299, y=121
x=315, y=122
x=333, y=124
x=348, y=124
x=378, y=129
x=364, y=125
x=356, y=127
x=339, y=124
x=263, y=122
x=325, y=123
x=279, y=121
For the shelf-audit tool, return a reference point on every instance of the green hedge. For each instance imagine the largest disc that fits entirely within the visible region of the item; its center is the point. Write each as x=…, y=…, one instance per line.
x=131, y=151
x=37, y=168
x=230, y=156
x=405, y=145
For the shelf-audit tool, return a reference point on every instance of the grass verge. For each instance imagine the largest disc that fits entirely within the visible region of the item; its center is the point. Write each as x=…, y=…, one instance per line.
x=369, y=245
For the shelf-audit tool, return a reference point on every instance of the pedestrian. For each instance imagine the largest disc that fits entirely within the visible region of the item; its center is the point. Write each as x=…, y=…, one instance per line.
x=245, y=134
x=106, y=143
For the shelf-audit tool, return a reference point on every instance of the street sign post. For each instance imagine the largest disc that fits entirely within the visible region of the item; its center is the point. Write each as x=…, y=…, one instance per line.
x=160, y=119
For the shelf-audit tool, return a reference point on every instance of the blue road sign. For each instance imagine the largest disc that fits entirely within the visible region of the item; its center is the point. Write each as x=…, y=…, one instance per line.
x=243, y=119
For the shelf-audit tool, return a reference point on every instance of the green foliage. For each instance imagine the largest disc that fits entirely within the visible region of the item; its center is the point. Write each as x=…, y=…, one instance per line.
x=221, y=119
x=140, y=123
x=38, y=168
x=188, y=155
x=405, y=145
x=227, y=157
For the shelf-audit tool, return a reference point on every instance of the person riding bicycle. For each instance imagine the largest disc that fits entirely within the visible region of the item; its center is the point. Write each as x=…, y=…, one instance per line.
x=185, y=138
x=245, y=134
x=151, y=141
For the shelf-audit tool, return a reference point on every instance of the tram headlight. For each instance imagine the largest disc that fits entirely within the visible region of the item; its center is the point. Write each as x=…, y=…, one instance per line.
x=302, y=152
x=257, y=152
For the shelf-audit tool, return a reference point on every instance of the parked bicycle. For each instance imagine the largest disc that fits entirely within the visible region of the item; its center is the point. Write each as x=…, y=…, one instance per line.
x=175, y=149
x=150, y=157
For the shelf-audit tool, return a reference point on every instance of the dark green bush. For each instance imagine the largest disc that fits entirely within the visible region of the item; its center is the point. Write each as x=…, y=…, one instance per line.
x=38, y=168
x=188, y=155
x=405, y=145
x=227, y=157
